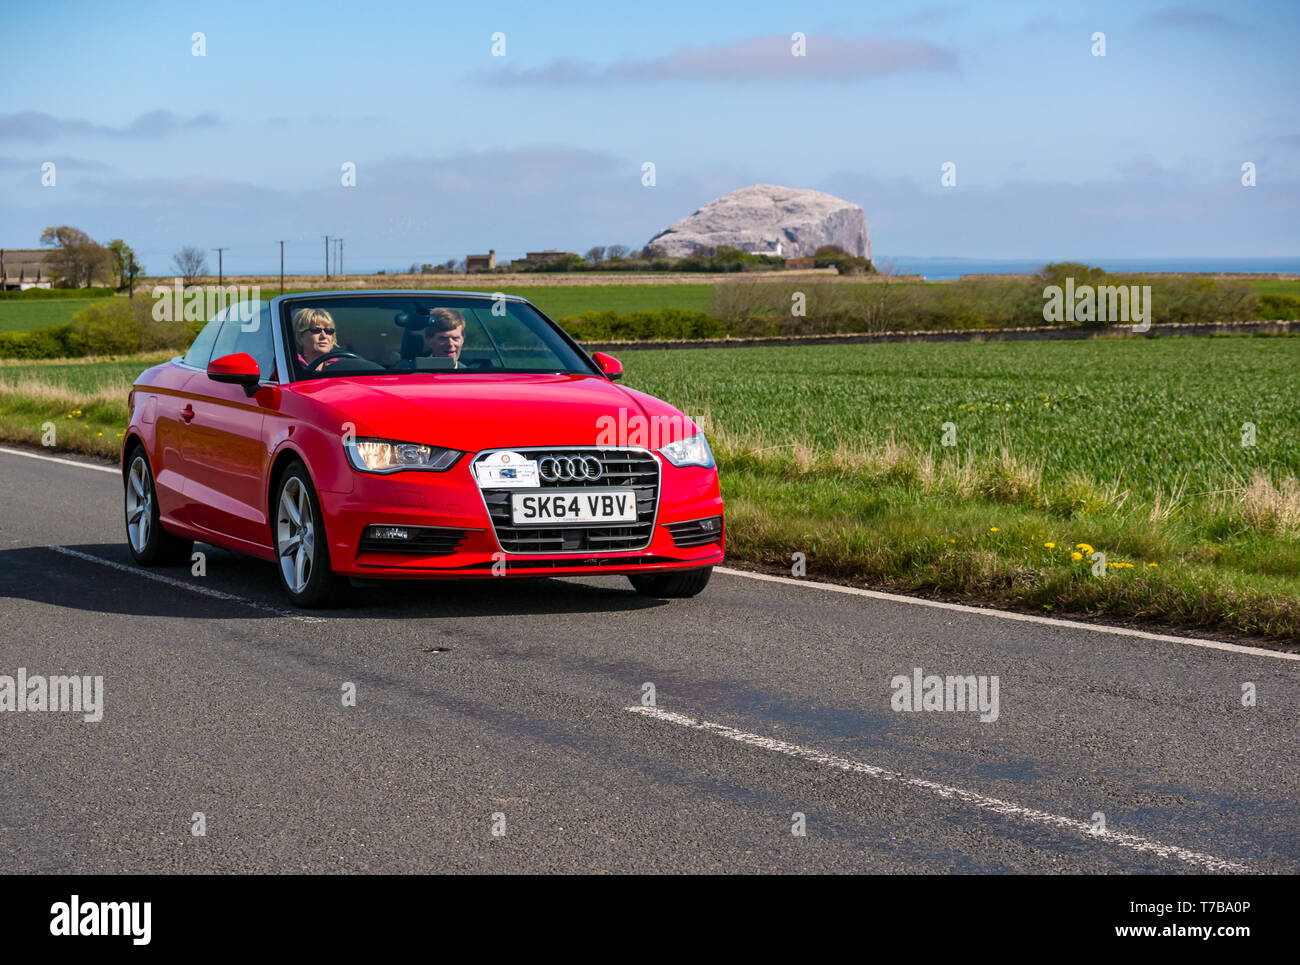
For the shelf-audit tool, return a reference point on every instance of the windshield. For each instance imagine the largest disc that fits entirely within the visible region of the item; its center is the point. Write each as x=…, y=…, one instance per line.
x=348, y=335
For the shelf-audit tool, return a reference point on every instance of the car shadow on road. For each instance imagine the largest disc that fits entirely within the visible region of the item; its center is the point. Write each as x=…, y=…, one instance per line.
x=488, y=598
x=238, y=587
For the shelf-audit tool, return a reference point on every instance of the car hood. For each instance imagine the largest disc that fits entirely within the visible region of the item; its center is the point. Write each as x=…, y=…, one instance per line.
x=472, y=412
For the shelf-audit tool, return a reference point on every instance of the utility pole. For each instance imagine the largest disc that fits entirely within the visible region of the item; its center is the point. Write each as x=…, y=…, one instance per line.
x=327, y=257
x=130, y=277
x=340, y=261
x=282, y=268
x=2, y=269
x=221, y=274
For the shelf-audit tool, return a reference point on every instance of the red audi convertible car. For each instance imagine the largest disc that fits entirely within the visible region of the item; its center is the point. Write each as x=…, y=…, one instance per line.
x=351, y=436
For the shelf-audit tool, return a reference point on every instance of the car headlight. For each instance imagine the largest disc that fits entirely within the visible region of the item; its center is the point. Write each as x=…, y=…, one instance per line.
x=386, y=455
x=691, y=451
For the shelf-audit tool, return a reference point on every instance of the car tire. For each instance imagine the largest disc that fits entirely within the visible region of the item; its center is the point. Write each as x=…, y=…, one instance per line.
x=690, y=583
x=149, y=543
x=301, y=548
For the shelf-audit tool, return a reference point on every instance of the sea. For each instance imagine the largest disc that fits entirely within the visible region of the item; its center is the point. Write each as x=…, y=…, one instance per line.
x=939, y=269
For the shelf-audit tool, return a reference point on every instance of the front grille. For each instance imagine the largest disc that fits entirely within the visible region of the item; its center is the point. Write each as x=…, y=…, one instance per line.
x=696, y=532
x=636, y=469
x=424, y=540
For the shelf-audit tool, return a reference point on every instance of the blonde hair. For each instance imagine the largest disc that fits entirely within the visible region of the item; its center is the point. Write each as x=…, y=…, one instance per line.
x=305, y=318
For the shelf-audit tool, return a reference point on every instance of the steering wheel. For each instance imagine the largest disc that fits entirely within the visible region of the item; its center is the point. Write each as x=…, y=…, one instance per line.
x=330, y=356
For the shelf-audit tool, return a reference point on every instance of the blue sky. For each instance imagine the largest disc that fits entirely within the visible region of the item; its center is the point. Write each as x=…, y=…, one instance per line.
x=1059, y=153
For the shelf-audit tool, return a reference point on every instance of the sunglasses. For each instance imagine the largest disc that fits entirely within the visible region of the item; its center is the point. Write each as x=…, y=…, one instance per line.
x=317, y=329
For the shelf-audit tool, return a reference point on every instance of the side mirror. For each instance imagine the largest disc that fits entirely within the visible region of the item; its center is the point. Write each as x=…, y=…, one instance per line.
x=611, y=366
x=237, y=369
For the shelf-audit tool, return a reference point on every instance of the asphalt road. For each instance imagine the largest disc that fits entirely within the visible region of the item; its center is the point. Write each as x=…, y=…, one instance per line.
x=517, y=707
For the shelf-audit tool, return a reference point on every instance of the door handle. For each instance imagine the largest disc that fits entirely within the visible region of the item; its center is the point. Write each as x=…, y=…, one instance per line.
x=187, y=413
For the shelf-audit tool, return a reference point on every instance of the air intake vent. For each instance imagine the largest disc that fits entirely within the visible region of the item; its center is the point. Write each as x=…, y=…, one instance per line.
x=696, y=532
x=423, y=540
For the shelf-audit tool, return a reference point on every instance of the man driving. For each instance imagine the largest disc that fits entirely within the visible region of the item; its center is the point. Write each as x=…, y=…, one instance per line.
x=445, y=336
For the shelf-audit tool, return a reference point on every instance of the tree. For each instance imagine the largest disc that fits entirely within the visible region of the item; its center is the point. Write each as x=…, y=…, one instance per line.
x=595, y=254
x=832, y=256
x=124, y=263
x=190, y=262
x=76, y=260
x=617, y=252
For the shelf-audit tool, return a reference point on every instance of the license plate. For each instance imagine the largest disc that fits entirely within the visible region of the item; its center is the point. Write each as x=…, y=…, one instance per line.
x=588, y=506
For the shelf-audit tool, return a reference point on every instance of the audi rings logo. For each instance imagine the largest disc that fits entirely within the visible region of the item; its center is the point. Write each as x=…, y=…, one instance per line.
x=570, y=468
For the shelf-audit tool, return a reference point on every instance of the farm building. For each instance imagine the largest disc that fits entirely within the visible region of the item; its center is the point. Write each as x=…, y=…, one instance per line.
x=23, y=268
x=486, y=262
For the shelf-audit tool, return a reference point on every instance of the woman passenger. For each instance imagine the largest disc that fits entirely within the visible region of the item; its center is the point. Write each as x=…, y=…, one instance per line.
x=314, y=331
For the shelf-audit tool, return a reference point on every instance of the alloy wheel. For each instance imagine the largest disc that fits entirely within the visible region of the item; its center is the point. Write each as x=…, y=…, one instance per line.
x=139, y=504
x=295, y=534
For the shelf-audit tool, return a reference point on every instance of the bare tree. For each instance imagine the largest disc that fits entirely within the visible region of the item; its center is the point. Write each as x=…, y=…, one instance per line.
x=76, y=260
x=615, y=252
x=880, y=304
x=190, y=262
x=595, y=254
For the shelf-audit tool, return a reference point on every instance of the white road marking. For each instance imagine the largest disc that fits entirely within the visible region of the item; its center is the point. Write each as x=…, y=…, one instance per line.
x=66, y=462
x=1009, y=615
x=1131, y=841
x=893, y=597
x=181, y=584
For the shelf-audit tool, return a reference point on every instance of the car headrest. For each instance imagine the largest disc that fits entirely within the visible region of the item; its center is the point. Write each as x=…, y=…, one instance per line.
x=413, y=345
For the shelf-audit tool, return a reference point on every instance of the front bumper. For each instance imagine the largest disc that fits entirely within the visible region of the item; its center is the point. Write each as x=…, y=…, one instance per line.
x=451, y=501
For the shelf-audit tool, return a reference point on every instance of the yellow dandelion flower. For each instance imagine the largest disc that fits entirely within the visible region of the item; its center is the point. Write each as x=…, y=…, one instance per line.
x=1083, y=546
x=1076, y=556
x=1152, y=564
x=1050, y=546
x=993, y=529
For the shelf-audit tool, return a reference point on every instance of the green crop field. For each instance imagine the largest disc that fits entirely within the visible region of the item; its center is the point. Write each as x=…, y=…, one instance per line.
x=1275, y=287
x=23, y=315
x=1146, y=414
x=561, y=300
x=1178, y=458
